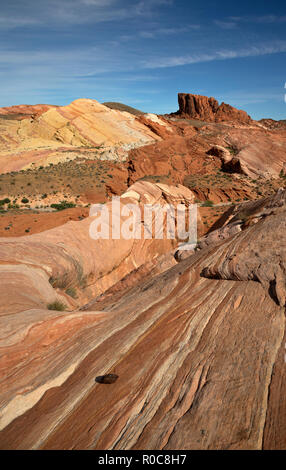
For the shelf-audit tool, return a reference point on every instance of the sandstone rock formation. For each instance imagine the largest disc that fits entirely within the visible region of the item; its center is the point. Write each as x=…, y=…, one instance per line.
x=261, y=259
x=85, y=125
x=199, y=359
x=254, y=151
x=236, y=219
x=24, y=111
x=139, y=343
x=272, y=124
x=208, y=109
x=67, y=257
x=250, y=150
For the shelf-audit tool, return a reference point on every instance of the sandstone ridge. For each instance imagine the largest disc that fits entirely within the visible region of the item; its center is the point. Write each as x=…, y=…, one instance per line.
x=49, y=134
x=208, y=109
x=198, y=353
x=142, y=343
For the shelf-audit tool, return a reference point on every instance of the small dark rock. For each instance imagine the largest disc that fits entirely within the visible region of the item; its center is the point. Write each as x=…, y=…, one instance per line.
x=106, y=379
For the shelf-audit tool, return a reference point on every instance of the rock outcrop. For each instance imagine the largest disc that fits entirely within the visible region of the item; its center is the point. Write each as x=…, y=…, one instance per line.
x=199, y=362
x=24, y=111
x=67, y=257
x=262, y=258
x=133, y=343
x=251, y=151
x=208, y=109
x=272, y=124
x=53, y=134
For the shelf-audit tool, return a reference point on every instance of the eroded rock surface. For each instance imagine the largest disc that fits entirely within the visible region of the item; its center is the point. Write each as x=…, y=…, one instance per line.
x=208, y=109
x=67, y=257
x=198, y=359
x=113, y=344
x=44, y=135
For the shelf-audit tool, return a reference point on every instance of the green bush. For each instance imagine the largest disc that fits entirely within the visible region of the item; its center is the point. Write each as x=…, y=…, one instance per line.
x=25, y=200
x=63, y=205
x=4, y=201
x=207, y=204
x=57, y=305
x=71, y=292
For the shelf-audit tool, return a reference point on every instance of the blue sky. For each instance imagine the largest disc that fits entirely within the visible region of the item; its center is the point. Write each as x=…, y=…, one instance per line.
x=143, y=52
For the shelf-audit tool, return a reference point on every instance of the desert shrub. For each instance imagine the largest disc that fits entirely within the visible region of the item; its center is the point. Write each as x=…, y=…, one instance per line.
x=232, y=150
x=208, y=204
x=57, y=305
x=71, y=292
x=4, y=201
x=25, y=200
x=63, y=205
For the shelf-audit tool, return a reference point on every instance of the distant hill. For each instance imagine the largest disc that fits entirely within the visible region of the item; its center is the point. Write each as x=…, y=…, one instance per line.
x=272, y=124
x=123, y=107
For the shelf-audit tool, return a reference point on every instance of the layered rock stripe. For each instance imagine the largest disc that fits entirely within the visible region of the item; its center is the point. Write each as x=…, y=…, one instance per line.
x=45, y=137
x=198, y=348
x=196, y=360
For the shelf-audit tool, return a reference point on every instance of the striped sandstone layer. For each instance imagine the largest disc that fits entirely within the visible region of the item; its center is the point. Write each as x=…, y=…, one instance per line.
x=198, y=350
x=55, y=134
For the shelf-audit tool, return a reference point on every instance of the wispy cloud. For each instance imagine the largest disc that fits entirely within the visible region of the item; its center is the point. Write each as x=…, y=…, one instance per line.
x=176, y=31
x=60, y=64
x=11, y=23
x=97, y=3
x=233, y=22
x=150, y=34
x=218, y=55
x=157, y=32
x=271, y=19
x=258, y=19
x=225, y=24
x=72, y=12
x=246, y=97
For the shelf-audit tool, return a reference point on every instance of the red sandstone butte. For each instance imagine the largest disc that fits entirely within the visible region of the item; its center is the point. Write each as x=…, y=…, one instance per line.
x=208, y=109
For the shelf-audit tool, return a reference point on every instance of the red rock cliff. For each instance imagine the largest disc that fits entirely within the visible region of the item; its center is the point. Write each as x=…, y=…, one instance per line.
x=208, y=109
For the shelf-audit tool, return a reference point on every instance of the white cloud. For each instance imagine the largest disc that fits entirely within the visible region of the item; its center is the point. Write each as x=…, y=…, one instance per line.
x=226, y=24
x=253, y=51
x=97, y=3
x=72, y=12
x=270, y=19
x=178, y=30
x=146, y=34
x=151, y=34
x=232, y=22
x=246, y=97
x=10, y=22
x=259, y=19
x=59, y=64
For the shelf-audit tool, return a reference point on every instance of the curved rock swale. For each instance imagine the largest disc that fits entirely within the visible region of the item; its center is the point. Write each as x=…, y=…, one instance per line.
x=196, y=358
